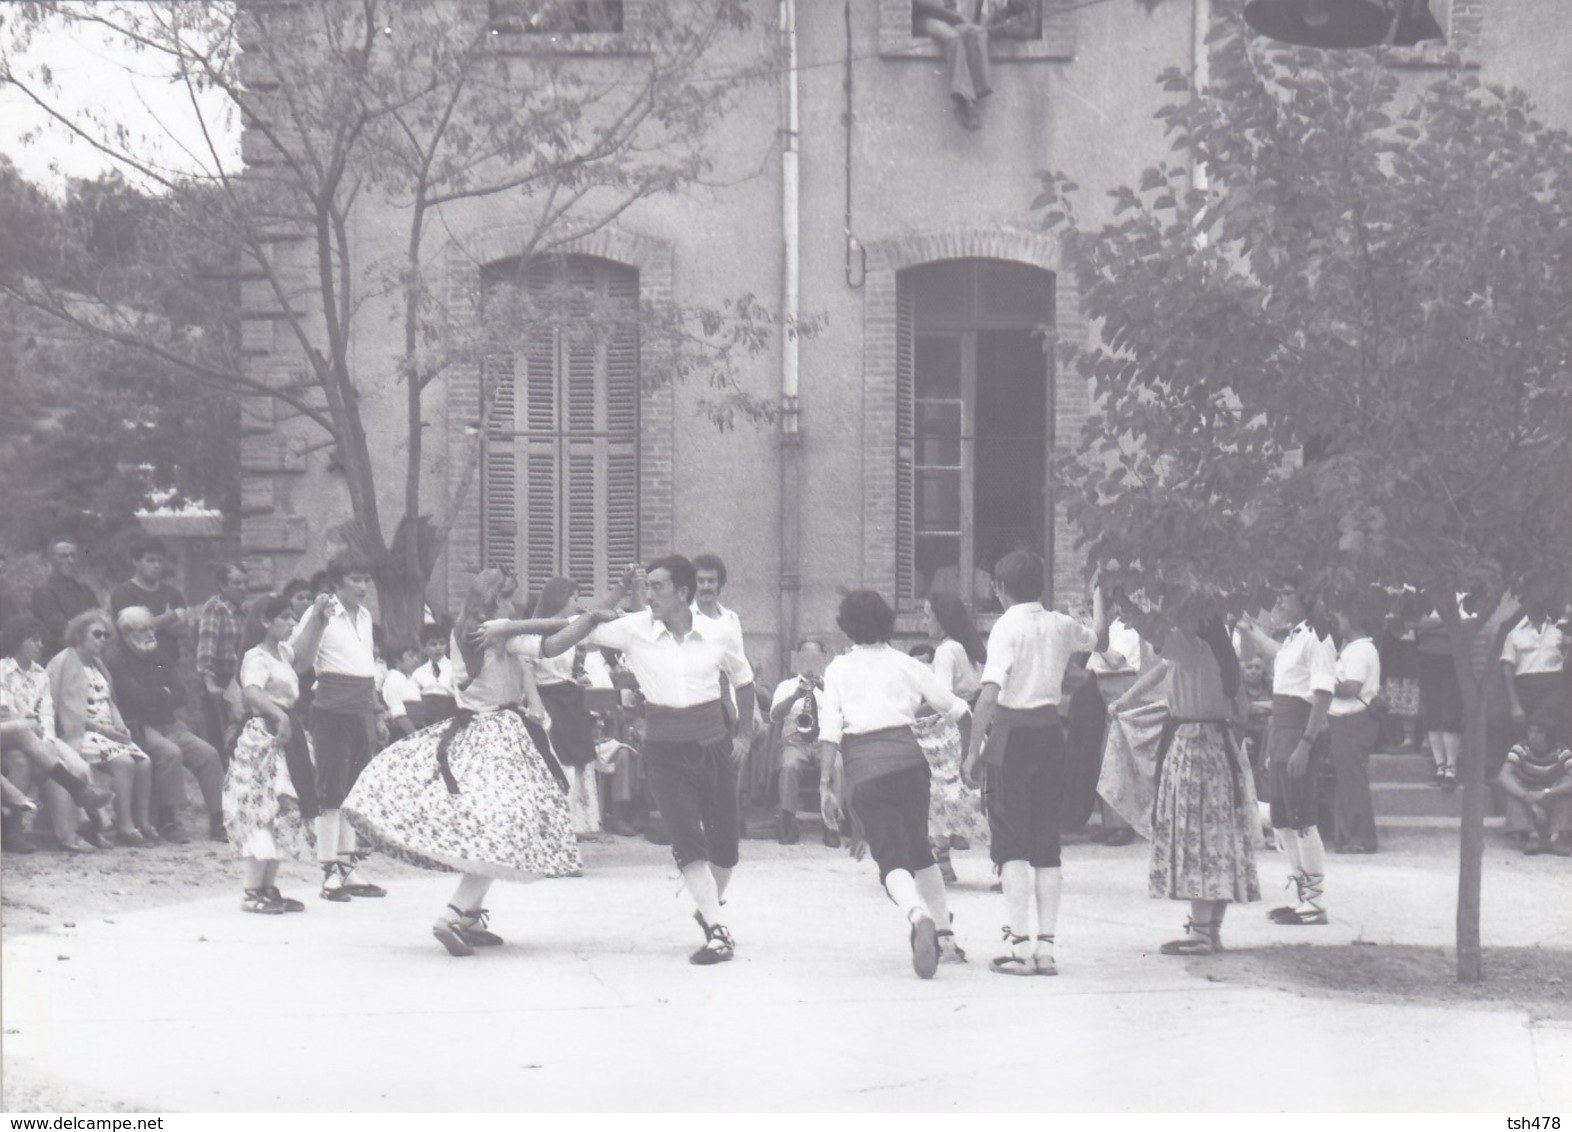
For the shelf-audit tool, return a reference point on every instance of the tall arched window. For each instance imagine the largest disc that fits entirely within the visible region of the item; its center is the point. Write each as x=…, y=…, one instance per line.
x=560, y=476
x=974, y=417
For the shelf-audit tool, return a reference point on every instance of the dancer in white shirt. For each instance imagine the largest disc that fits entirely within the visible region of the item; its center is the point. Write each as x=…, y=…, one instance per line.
x=871, y=697
x=689, y=752
x=1022, y=682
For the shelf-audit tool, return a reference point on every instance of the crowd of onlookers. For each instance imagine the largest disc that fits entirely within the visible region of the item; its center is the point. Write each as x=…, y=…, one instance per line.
x=106, y=705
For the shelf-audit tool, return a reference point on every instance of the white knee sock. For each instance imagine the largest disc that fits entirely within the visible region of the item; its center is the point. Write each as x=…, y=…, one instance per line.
x=1050, y=882
x=1019, y=890
x=1312, y=852
x=700, y=883
x=346, y=836
x=722, y=879
x=469, y=894
x=930, y=887
x=902, y=887
x=1290, y=840
x=327, y=836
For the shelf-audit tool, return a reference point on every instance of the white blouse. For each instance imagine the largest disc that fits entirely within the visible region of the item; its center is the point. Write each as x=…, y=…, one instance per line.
x=876, y=686
x=275, y=675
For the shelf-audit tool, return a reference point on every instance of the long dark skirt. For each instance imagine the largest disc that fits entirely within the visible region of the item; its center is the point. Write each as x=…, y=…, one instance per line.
x=572, y=726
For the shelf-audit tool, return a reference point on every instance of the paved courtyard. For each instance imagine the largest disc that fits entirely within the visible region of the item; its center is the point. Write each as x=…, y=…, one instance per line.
x=593, y=1006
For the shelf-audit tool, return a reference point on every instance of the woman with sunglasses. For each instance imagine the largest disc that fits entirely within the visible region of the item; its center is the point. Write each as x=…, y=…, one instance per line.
x=87, y=718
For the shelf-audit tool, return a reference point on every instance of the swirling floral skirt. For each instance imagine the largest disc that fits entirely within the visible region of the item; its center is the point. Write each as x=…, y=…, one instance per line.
x=509, y=818
x=261, y=812
x=953, y=807
x=1206, y=826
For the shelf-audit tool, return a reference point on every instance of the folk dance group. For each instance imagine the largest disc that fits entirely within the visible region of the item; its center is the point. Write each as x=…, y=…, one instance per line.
x=484, y=795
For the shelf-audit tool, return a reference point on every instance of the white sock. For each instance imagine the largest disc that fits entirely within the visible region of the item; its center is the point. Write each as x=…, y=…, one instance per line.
x=346, y=836
x=722, y=879
x=1050, y=882
x=1312, y=852
x=327, y=836
x=700, y=883
x=1290, y=842
x=930, y=887
x=902, y=887
x=1019, y=890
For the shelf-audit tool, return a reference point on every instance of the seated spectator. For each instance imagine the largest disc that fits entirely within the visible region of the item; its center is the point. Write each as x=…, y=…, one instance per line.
x=146, y=587
x=795, y=709
x=400, y=694
x=1537, y=781
x=87, y=717
x=32, y=753
x=962, y=28
x=15, y=806
x=434, y=676
x=150, y=695
x=62, y=595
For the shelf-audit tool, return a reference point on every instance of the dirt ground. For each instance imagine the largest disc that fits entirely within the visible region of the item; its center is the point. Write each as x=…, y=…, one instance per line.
x=45, y=891
x=1534, y=979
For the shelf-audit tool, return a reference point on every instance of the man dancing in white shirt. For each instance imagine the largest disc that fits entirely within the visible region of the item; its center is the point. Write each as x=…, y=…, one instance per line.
x=688, y=751
x=1022, y=683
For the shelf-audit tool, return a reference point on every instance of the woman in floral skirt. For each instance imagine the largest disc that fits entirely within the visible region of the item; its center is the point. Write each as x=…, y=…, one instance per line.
x=266, y=816
x=955, y=814
x=477, y=796
x=1204, y=821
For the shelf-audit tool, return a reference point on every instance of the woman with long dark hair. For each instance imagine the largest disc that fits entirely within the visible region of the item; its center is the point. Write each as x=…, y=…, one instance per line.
x=1205, y=822
x=269, y=789
x=955, y=814
x=477, y=796
x=572, y=729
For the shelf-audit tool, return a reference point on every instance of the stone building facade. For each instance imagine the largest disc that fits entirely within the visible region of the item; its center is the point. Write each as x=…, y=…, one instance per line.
x=913, y=453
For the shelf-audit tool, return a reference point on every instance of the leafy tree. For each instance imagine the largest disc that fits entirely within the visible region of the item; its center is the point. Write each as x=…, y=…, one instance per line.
x=1339, y=357
x=93, y=431
x=395, y=114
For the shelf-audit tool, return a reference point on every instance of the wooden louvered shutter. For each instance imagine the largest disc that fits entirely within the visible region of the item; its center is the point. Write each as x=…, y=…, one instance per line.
x=601, y=394
x=905, y=445
x=540, y=426
x=622, y=425
x=499, y=467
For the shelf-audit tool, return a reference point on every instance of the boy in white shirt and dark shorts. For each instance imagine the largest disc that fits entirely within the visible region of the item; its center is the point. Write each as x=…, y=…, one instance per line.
x=1022, y=682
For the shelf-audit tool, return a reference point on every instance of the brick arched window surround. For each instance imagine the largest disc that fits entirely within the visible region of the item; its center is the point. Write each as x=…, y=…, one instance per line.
x=463, y=259
x=880, y=341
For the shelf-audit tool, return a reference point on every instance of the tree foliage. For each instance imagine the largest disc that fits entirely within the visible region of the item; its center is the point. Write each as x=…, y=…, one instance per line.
x=398, y=115
x=1345, y=358
x=1340, y=357
x=93, y=431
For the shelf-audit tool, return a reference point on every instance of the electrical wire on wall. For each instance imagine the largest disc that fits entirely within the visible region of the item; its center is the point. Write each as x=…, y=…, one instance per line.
x=854, y=248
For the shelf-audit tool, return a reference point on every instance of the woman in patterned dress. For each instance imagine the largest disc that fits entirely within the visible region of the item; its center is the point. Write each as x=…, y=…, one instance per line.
x=955, y=814
x=87, y=718
x=1204, y=821
x=477, y=796
x=265, y=815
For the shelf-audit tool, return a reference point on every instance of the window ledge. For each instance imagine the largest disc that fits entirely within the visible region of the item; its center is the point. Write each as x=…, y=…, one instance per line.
x=579, y=43
x=1057, y=42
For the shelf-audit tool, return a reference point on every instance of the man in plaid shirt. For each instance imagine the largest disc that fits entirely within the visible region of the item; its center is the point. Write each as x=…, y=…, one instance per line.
x=218, y=651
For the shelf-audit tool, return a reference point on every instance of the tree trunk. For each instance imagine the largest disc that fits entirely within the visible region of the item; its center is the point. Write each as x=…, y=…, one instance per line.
x=1470, y=959
x=401, y=601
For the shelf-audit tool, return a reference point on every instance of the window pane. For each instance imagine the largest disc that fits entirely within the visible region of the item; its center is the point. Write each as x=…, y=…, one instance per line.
x=939, y=501
x=939, y=289
x=939, y=434
x=938, y=365
x=1014, y=292
x=938, y=556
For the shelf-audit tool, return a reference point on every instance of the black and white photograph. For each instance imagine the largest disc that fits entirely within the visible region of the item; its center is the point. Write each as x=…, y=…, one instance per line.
x=881, y=557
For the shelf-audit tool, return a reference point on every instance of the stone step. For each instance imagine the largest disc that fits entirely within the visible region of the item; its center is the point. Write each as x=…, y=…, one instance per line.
x=1415, y=799
x=1421, y=823
x=1402, y=768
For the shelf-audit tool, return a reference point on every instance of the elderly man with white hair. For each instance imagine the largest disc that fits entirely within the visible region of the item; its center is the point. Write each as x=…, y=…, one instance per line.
x=149, y=692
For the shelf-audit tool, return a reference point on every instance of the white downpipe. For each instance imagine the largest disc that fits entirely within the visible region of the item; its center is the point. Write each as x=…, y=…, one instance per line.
x=790, y=204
